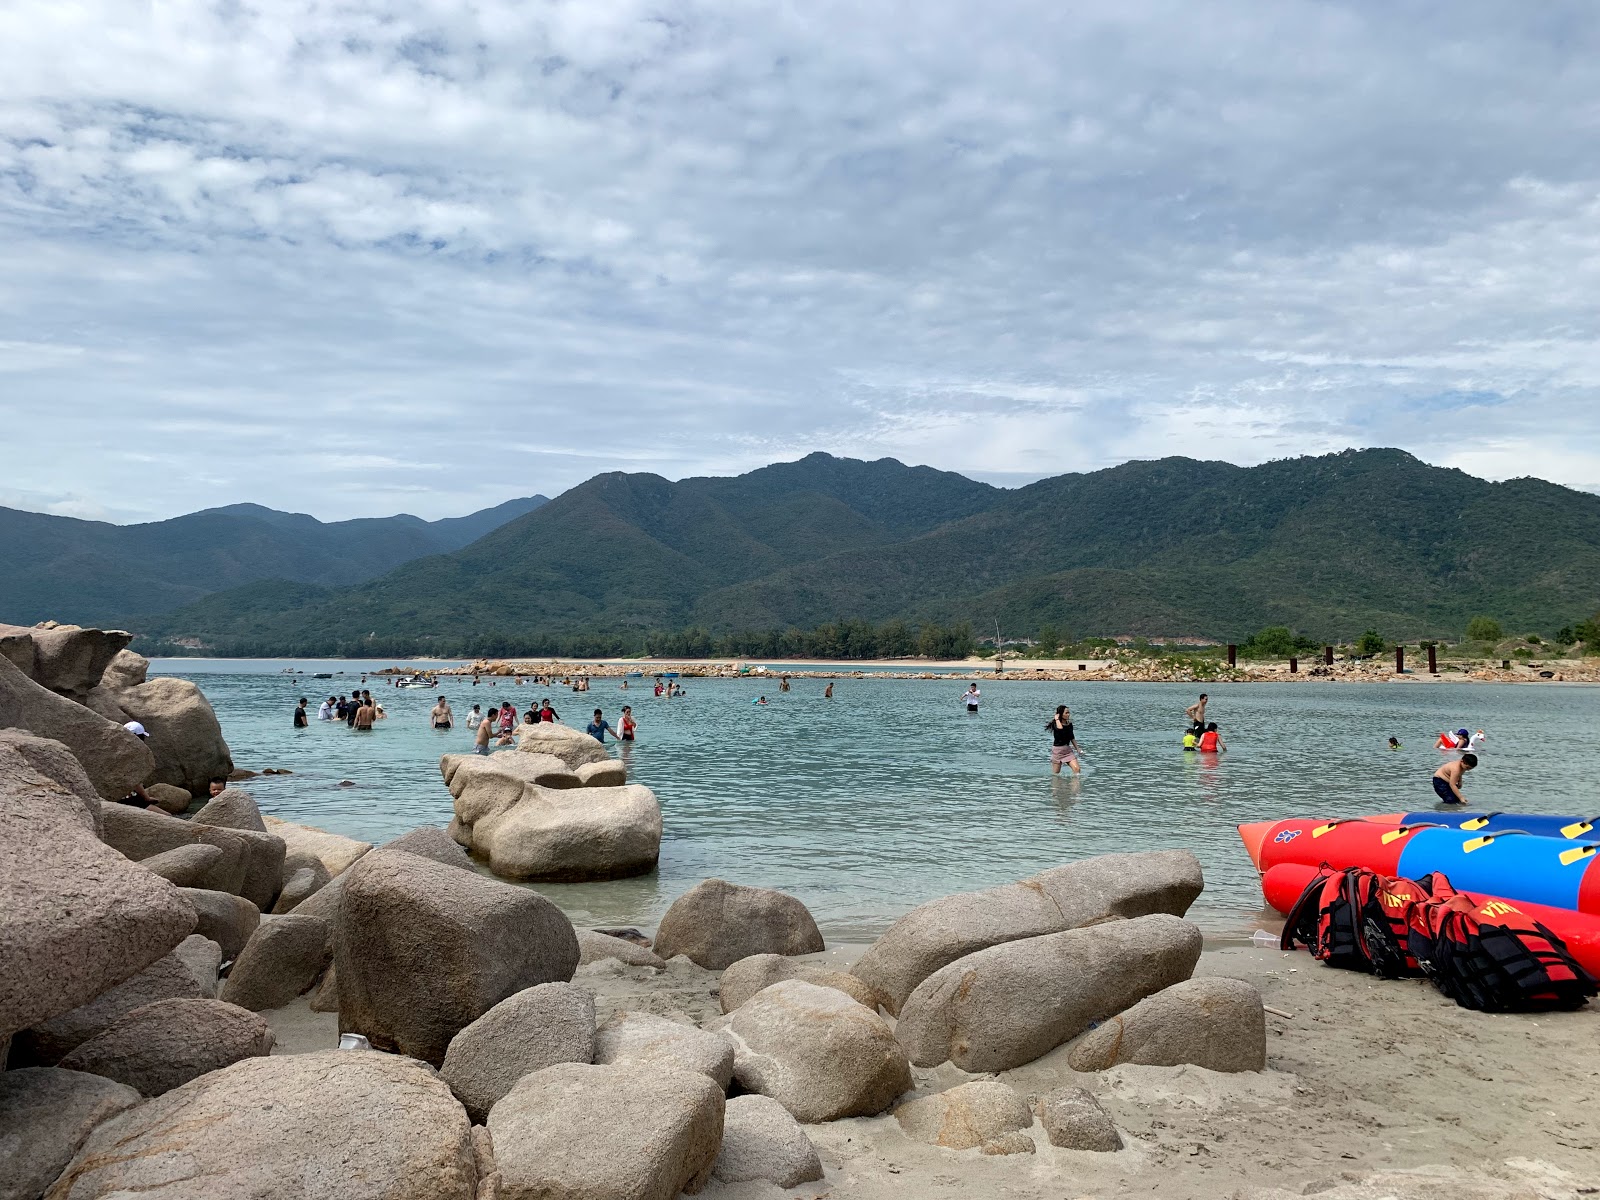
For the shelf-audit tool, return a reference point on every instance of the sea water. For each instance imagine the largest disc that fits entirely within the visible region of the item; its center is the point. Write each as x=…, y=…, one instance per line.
x=890, y=794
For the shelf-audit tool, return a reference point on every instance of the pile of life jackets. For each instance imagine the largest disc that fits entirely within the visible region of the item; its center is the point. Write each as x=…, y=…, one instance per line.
x=1359, y=920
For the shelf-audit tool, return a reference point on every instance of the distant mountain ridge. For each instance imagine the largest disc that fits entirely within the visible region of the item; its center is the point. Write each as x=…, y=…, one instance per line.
x=1329, y=545
x=95, y=572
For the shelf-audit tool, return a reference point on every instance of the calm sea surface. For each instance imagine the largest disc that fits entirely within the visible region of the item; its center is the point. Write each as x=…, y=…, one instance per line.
x=890, y=794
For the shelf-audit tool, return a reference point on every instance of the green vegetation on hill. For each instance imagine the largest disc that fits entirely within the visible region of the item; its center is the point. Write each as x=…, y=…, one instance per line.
x=91, y=572
x=1323, y=548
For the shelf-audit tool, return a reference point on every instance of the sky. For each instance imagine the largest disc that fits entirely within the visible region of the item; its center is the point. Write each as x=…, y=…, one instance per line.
x=351, y=259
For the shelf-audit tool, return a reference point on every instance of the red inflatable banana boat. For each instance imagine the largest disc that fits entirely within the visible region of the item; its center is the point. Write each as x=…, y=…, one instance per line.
x=1282, y=885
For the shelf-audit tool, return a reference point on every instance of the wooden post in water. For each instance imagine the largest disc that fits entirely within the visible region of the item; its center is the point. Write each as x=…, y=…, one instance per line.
x=1327, y=656
x=1233, y=655
x=1505, y=664
x=1399, y=660
x=1294, y=665
x=1433, y=660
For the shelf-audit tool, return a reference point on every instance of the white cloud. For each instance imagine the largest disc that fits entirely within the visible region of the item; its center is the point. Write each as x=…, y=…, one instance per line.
x=320, y=255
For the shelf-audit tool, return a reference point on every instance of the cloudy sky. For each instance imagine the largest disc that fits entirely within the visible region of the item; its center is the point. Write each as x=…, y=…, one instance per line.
x=354, y=258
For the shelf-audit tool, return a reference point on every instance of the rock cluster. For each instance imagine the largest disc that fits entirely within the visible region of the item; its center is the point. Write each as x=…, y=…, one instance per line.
x=552, y=811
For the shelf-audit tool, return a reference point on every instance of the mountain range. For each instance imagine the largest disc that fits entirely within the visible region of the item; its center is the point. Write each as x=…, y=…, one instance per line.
x=92, y=572
x=1329, y=545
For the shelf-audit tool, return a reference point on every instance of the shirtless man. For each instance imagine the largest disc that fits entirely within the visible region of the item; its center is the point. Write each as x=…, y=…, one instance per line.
x=1447, y=779
x=441, y=716
x=480, y=740
x=365, y=715
x=1196, y=712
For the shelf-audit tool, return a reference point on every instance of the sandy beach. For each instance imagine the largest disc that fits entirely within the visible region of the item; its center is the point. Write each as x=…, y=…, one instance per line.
x=1373, y=1089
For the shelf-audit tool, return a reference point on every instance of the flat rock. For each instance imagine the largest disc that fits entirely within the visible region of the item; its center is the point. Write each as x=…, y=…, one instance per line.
x=762, y=1141
x=47, y=1043
x=336, y=851
x=1007, y=1005
x=76, y=917
x=1218, y=1024
x=284, y=957
x=935, y=934
x=186, y=866
x=1073, y=1119
x=646, y=1040
x=536, y=1028
x=423, y=950
x=817, y=1052
x=185, y=736
x=716, y=923
x=594, y=946
x=359, y=1126
x=577, y=1132
x=203, y=957
x=484, y=786
x=114, y=761
x=571, y=835
x=572, y=746
x=45, y=1115
x=232, y=808
x=749, y=975
x=965, y=1117
x=166, y=1044
x=229, y=921
x=609, y=773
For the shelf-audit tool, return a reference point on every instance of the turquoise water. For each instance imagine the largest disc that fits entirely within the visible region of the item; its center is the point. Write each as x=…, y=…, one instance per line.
x=889, y=794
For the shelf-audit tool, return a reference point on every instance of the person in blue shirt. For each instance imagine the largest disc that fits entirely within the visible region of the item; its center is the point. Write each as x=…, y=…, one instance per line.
x=599, y=727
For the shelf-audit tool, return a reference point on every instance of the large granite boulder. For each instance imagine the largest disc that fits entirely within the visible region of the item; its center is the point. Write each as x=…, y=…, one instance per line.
x=336, y=851
x=166, y=1044
x=817, y=1052
x=968, y=1116
x=610, y=773
x=229, y=921
x=422, y=950
x=169, y=799
x=67, y=659
x=253, y=862
x=762, y=1142
x=185, y=735
x=76, y=917
x=578, y=1132
x=572, y=746
x=359, y=1126
x=749, y=975
x=56, y=763
x=125, y=670
x=48, y=1042
x=232, y=808
x=716, y=923
x=284, y=957
x=194, y=865
x=935, y=934
x=303, y=877
x=1007, y=1005
x=646, y=1039
x=533, y=1029
x=113, y=759
x=45, y=1115
x=570, y=835
x=430, y=841
x=1213, y=1023
x=483, y=786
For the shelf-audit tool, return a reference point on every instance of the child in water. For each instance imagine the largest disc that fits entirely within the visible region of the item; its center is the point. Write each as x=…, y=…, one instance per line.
x=1191, y=740
x=1394, y=743
x=1447, y=779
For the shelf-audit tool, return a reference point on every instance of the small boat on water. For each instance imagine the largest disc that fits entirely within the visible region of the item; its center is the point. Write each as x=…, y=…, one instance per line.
x=414, y=681
x=323, y=675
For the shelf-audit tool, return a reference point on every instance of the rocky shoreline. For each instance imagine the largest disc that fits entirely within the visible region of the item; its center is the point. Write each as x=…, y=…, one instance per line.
x=231, y=1006
x=1123, y=667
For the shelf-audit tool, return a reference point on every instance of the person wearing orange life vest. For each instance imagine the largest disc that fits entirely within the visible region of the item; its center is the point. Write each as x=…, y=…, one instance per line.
x=1211, y=741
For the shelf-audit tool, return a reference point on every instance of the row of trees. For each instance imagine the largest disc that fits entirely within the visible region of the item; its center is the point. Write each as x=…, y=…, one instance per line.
x=833, y=639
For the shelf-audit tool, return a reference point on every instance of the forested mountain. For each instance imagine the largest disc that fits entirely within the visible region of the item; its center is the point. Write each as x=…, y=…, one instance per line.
x=1329, y=545
x=92, y=572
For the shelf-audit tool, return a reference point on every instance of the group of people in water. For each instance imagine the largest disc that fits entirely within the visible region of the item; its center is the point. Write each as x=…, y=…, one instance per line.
x=358, y=711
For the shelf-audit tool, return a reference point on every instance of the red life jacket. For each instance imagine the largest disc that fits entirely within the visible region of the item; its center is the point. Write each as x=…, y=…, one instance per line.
x=1357, y=920
x=1208, y=740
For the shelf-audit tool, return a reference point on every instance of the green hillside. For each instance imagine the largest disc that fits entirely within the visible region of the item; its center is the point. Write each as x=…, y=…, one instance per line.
x=93, y=572
x=1328, y=545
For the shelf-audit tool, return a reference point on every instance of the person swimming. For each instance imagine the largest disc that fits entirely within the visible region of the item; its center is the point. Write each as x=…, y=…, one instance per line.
x=1394, y=743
